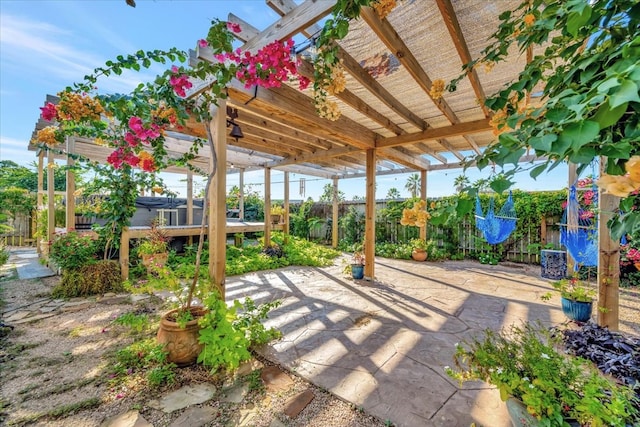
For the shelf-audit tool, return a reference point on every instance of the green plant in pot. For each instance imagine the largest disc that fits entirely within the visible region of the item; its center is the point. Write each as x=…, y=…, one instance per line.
x=419, y=249
x=277, y=212
x=576, y=297
x=541, y=385
x=417, y=216
x=154, y=249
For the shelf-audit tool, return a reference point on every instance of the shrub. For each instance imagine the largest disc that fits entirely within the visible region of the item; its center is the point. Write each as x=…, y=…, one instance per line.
x=72, y=250
x=4, y=254
x=92, y=279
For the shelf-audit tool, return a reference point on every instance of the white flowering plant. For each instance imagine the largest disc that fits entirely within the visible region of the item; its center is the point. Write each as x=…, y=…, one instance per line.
x=523, y=362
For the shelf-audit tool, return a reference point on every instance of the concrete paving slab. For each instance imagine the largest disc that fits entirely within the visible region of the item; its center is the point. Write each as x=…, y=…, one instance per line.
x=383, y=345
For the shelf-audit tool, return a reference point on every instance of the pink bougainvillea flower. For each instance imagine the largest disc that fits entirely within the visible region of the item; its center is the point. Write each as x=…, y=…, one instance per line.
x=49, y=111
x=203, y=43
x=233, y=26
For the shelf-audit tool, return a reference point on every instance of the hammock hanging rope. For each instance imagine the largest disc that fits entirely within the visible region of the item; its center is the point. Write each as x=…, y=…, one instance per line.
x=496, y=228
x=578, y=232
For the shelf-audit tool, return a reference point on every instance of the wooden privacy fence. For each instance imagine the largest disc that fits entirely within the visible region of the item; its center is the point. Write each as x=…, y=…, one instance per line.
x=522, y=246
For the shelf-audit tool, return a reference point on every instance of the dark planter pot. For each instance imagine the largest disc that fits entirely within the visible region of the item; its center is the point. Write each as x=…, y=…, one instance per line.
x=357, y=271
x=181, y=343
x=419, y=254
x=576, y=310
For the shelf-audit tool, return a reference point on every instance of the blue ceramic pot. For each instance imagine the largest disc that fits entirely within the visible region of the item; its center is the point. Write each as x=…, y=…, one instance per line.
x=357, y=271
x=576, y=310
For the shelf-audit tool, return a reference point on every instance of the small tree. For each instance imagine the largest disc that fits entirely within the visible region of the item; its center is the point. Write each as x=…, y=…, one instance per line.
x=393, y=193
x=327, y=194
x=413, y=185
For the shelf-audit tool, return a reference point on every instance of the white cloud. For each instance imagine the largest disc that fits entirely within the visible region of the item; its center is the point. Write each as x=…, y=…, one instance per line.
x=16, y=150
x=48, y=51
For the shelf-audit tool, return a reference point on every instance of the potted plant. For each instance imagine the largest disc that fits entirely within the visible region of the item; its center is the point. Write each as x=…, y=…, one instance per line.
x=277, y=212
x=357, y=265
x=154, y=249
x=419, y=249
x=543, y=386
x=417, y=216
x=576, y=296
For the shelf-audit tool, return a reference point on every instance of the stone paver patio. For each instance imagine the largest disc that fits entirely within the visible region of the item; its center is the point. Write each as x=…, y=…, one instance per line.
x=383, y=345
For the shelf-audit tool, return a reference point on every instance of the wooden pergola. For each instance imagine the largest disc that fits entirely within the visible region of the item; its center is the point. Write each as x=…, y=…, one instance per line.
x=390, y=122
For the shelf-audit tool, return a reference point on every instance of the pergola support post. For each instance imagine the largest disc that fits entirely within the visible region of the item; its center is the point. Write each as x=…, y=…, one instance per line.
x=423, y=196
x=70, y=212
x=241, y=198
x=190, y=202
x=334, y=215
x=608, y=261
x=51, y=205
x=267, y=207
x=370, y=216
x=286, y=208
x=40, y=197
x=218, y=201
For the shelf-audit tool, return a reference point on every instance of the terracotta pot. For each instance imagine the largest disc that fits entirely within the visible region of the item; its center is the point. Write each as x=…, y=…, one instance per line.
x=419, y=254
x=181, y=343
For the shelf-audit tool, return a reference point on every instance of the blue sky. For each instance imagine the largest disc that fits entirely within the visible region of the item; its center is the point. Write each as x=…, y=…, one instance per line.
x=47, y=45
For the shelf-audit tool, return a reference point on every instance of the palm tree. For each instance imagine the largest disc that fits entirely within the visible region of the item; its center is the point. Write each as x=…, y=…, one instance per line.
x=413, y=185
x=393, y=193
x=461, y=182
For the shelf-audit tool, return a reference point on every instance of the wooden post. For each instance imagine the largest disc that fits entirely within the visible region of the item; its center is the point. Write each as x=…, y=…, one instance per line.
x=285, y=229
x=334, y=216
x=423, y=196
x=218, y=197
x=572, y=177
x=370, y=216
x=267, y=207
x=40, y=196
x=70, y=213
x=124, y=253
x=51, y=206
x=608, y=261
x=190, y=202
x=241, y=201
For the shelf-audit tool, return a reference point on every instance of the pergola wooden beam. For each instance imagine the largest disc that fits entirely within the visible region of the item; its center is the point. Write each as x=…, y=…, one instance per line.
x=453, y=26
x=309, y=12
x=475, y=126
x=388, y=35
x=396, y=154
x=363, y=77
x=334, y=152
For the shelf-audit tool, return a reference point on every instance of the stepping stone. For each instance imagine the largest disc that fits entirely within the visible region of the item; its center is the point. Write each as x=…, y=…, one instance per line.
x=235, y=394
x=76, y=306
x=186, y=396
x=247, y=367
x=195, y=417
x=275, y=379
x=135, y=298
x=127, y=419
x=246, y=417
x=34, y=318
x=277, y=423
x=111, y=298
x=17, y=316
x=297, y=403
